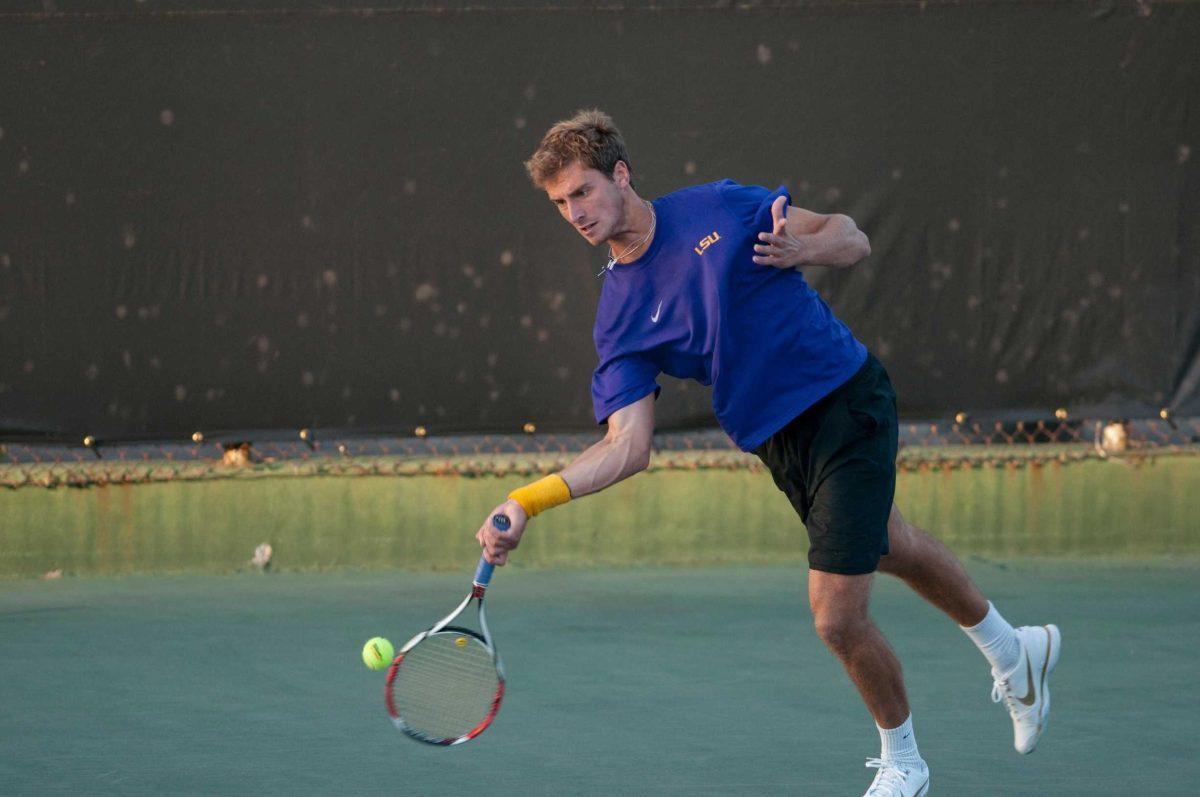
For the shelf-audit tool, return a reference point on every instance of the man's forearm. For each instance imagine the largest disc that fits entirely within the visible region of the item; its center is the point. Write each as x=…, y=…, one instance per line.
x=604, y=464
x=839, y=243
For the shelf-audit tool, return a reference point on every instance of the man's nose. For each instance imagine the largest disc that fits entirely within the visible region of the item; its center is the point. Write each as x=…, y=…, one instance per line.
x=575, y=213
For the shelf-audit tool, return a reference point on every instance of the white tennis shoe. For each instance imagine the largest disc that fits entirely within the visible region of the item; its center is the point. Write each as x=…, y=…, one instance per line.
x=898, y=778
x=1040, y=648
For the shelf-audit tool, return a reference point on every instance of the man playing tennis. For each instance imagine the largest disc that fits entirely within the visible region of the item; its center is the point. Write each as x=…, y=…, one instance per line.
x=703, y=284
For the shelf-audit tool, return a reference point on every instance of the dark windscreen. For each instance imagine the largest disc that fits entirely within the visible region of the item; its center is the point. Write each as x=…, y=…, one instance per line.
x=265, y=215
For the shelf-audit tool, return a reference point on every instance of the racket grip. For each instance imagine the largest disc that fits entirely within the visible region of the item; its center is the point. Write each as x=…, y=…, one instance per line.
x=483, y=573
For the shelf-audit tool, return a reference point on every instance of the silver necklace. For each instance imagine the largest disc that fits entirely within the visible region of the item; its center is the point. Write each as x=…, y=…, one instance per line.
x=613, y=259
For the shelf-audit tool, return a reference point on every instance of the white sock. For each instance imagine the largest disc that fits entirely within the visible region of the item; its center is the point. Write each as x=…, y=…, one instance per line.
x=899, y=744
x=997, y=640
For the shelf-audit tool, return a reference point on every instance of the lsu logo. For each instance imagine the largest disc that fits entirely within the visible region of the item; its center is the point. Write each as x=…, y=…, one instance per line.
x=706, y=242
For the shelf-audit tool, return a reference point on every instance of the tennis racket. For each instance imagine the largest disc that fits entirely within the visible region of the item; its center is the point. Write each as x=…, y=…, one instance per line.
x=445, y=685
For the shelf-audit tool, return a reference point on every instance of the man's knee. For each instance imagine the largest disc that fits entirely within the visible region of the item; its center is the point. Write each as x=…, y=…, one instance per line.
x=839, y=630
x=839, y=607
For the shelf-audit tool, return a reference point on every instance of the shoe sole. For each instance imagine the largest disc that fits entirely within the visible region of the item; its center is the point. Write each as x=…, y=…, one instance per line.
x=1055, y=647
x=1053, y=652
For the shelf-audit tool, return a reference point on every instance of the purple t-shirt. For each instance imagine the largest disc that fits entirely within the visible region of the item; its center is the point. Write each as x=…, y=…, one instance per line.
x=695, y=306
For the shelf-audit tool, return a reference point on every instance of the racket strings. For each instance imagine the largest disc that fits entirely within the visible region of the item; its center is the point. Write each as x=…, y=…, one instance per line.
x=446, y=685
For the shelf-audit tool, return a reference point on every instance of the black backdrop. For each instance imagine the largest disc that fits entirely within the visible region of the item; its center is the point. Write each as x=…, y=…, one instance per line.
x=264, y=215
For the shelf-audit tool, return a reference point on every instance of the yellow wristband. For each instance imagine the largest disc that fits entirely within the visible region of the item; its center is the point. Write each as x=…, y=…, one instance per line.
x=542, y=494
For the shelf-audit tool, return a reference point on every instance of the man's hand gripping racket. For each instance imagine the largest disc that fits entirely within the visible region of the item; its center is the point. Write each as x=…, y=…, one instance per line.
x=445, y=685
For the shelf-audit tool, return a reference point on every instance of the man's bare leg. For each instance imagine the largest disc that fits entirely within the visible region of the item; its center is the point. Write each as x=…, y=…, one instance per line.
x=933, y=572
x=840, y=611
x=839, y=607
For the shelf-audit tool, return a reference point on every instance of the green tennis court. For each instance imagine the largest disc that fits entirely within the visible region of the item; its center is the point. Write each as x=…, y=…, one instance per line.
x=631, y=681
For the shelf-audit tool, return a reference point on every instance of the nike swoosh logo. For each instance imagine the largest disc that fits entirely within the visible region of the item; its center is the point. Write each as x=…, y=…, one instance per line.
x=1031, y=693
x=654, y=318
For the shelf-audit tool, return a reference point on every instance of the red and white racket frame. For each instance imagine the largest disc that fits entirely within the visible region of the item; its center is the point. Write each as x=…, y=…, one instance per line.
x=444, y=625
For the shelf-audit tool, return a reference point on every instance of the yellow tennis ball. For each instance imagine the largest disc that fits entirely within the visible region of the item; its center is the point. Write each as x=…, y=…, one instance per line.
x=461, y=641
x=378, y=653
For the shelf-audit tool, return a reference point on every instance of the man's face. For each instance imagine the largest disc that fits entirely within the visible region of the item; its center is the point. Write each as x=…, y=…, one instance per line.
x=590, y=200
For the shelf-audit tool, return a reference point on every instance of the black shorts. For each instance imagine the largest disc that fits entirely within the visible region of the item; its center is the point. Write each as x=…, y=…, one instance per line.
x=836, y=462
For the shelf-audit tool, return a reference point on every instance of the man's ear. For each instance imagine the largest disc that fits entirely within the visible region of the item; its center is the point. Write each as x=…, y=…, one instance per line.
x=620, y=174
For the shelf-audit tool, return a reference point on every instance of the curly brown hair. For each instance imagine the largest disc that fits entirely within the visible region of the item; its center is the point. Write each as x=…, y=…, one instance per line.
x=589, y=137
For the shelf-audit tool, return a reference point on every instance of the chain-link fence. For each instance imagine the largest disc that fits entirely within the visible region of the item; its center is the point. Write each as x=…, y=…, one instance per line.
x=964, y=443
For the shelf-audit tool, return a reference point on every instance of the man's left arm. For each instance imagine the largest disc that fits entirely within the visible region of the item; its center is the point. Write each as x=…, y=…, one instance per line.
x=802, y=238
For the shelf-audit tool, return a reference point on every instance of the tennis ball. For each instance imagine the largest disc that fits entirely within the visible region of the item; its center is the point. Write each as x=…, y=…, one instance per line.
x=378, y=653
x=461, y=641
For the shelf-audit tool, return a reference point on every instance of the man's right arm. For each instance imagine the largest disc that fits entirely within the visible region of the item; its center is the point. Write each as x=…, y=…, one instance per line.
x=624, y=451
